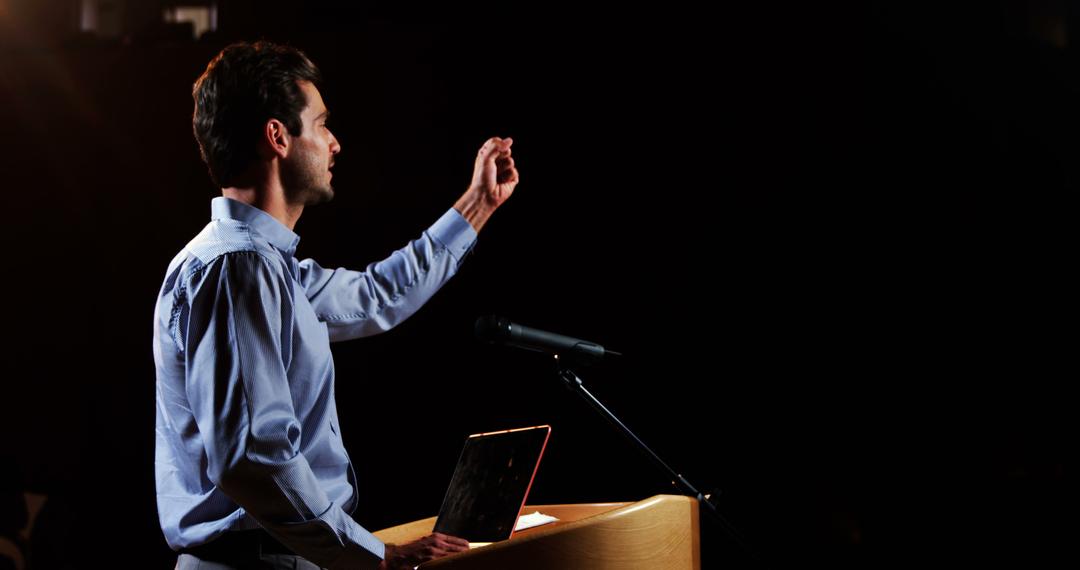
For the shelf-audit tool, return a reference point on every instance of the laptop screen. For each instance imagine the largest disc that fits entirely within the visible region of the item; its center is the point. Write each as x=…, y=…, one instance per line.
x=491, y=483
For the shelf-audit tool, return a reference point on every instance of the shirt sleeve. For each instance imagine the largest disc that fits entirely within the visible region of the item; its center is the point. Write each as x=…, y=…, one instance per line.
x=239, y=395
x=362, y=303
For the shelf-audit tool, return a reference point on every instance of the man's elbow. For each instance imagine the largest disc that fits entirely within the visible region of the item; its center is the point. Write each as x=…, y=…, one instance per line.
x=240, y=479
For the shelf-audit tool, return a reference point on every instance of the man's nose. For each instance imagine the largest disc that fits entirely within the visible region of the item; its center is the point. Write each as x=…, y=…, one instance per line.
x=335, y=146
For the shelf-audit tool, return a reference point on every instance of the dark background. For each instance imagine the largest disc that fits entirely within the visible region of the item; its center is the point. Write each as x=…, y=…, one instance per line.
x=831, y=242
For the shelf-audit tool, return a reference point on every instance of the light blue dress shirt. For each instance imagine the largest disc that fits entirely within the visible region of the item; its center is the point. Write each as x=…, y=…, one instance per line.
x=247, y=423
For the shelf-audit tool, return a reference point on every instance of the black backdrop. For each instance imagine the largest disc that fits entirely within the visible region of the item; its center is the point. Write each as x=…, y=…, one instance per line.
x=831, y=243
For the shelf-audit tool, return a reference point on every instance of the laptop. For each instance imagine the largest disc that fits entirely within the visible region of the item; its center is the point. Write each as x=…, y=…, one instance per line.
x=491, y=482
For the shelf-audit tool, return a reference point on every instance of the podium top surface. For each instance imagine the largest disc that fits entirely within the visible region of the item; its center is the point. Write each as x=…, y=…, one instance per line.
x=659, y=532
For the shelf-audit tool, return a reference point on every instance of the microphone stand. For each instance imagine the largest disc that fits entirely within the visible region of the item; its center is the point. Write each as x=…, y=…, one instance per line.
x=574, y=383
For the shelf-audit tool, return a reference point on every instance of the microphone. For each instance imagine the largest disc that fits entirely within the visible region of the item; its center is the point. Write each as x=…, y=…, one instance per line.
x=494, y=329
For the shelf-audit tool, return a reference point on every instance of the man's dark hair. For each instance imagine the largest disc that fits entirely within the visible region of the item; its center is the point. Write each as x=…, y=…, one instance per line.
x=244, y=86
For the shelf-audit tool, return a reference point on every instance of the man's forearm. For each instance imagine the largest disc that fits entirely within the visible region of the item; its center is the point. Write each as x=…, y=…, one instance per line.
x=475, y=208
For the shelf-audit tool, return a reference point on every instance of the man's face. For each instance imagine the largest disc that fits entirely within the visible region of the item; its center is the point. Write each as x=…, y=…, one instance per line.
x=306, y=172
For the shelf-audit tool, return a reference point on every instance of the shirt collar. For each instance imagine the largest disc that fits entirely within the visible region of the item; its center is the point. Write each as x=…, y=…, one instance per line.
x=266, y=225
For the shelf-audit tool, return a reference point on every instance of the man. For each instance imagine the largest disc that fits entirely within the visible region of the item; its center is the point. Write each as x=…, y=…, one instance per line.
x=250, y=465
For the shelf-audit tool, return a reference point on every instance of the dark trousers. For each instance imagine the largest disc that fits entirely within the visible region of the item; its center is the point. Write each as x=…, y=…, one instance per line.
x=242, y=550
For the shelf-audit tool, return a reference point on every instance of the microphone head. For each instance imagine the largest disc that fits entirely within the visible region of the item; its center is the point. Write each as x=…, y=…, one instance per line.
x=492, y=328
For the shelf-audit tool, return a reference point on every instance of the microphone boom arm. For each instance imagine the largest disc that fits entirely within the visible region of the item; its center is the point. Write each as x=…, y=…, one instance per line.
x=574, y=383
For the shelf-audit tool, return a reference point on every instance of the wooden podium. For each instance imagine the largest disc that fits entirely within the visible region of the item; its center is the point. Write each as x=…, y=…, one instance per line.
x=658, y=532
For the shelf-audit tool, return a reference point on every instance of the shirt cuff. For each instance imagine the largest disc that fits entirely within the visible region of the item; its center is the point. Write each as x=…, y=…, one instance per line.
x=360, y=545
x=454, y=232
x=354, y=547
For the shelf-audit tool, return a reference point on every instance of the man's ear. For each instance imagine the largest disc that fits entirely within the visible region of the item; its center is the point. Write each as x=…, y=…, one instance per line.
x=276, y=138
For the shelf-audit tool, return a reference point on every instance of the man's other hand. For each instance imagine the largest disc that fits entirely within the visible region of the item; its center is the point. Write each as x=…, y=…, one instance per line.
x=432, y=546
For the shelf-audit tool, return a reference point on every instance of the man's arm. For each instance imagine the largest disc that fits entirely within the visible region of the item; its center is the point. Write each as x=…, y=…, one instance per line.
x=362, y=303
x=239, y=395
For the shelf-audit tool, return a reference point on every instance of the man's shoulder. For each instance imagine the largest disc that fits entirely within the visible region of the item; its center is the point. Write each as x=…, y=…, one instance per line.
x=218, y=240
x=221, y=237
